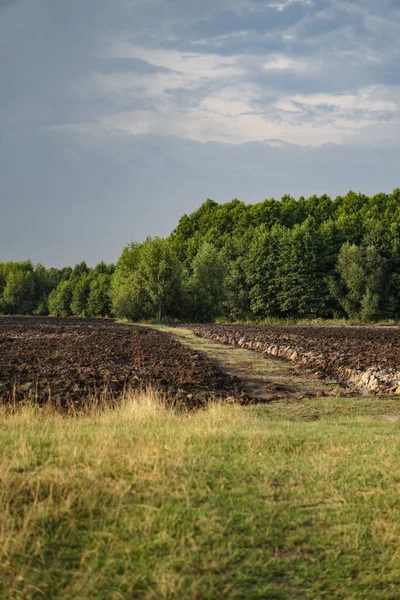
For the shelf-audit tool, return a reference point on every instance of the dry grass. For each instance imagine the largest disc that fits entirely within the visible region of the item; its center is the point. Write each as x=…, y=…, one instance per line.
x=287, y=501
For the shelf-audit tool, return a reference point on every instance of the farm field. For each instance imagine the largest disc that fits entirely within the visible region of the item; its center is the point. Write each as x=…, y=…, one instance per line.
x=368, y=357
x=277, y=494
x=263, y=377
x=70, y=360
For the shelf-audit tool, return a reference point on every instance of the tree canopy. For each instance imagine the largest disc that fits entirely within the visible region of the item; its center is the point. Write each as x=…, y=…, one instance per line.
x=315, y=257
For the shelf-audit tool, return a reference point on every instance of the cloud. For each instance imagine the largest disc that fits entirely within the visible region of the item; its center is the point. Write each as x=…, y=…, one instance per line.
x=307, y=72
x=195, y=64
x=282, y=5
x=162, y=99
x=376, y=102
x=304, y=71
x=280, y=62
x=236, y=98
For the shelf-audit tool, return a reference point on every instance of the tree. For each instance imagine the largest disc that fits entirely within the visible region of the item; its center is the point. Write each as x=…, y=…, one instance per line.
x=126, y=294
x=261, y=270
x=60, y=299
x=148, y=281
x=160, y=272
x=359, y=289
x=46, y=280
x=205, y=286
x=301, y=278
x=19, y=291
x=79, y=270
x=128, y=298
x=17, y=287
x=236, y=303
x=99, y=300
x=80, y=294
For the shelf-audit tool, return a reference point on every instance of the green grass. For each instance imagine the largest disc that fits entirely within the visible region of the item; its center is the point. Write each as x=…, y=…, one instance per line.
x=312, y=321
x=316, y=321
x=294, y=500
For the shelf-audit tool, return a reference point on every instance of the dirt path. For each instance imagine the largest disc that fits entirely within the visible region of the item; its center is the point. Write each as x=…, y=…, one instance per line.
x=263, y=378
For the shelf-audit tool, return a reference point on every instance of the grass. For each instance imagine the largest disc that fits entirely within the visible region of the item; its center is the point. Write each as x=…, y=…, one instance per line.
x=294, y=500
x=312, y=321
x=283, y=321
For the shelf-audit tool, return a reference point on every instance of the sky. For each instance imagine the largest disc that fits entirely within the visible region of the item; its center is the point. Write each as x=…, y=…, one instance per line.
x=117, y=117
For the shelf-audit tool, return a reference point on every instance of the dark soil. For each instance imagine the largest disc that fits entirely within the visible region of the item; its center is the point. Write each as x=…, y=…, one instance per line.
x=331, y=350
x=69, y=360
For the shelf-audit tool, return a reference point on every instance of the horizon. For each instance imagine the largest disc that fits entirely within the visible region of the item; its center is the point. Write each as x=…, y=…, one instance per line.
x=94, y=264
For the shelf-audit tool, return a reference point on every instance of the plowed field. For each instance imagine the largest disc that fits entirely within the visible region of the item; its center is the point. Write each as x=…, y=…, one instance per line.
x=68, y=360
x=366, y=356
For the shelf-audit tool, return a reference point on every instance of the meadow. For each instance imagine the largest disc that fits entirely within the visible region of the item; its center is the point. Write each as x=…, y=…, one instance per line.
x=290, y=500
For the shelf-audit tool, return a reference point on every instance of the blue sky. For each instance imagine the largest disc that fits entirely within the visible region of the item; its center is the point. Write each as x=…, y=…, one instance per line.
x=118, y=117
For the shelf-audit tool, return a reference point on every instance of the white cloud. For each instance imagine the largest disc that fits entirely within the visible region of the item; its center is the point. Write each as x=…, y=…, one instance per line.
x=369, y=100
x=213, y=96
x=193, y=63
x=280, y=62
x=221, y=40
x=206, y=97
x=185, y=73
x=231, y=121
x=281, y=5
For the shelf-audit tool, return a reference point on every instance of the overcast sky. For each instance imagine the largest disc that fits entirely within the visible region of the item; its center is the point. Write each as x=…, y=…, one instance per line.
x=118, y=116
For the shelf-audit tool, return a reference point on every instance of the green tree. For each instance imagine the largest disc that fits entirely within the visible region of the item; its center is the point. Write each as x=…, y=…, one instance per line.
x=99, y=299
x=46, y=280
x=160, y=272
x=80, y=294
x=261, y=270
x=19, y=291
x=205, y=287
x=236, y=303
x=302, y=290
x=360, y=287
x=79, y=270
x=148, y=281
x=60, y=299
x=129, y=300
x=127, y=295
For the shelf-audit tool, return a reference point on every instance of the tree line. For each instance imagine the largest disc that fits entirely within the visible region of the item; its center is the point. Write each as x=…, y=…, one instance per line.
x=317, y=257
x=79, y=291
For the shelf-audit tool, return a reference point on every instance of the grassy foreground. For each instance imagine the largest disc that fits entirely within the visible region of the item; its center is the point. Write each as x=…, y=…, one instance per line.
x=284, y=501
